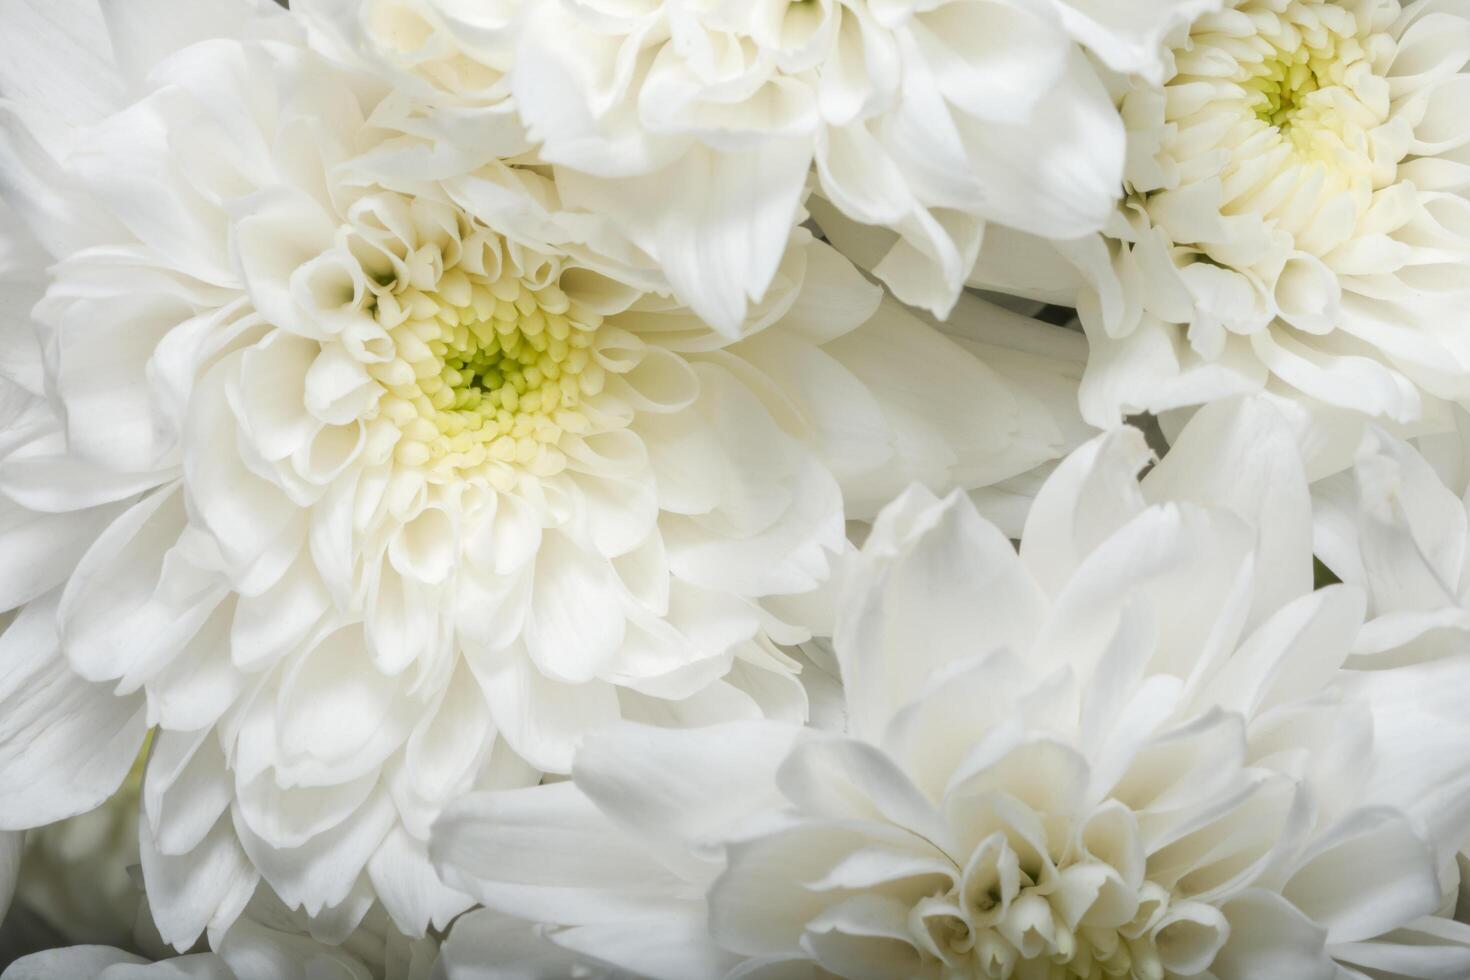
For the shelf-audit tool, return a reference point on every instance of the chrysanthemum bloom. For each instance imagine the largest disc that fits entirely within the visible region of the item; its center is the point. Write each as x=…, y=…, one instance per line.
x=368, y=495
x=1130, y=751
x=1297, y=213
x=267, y=943
x=695, y=126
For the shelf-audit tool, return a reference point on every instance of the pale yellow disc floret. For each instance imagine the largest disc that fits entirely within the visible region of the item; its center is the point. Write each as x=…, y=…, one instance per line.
x=1285, y=102
x=487, y=375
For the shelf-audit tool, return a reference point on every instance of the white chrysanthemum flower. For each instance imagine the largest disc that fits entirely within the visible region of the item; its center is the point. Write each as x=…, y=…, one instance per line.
x=1298, y=211
x=694, y=125
x=365, y=496
x=267, y=943
x=1132, y=750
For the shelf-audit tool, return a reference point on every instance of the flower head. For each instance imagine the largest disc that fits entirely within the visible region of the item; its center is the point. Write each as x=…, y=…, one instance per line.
x=366, y=490
x=1295, y=215
x=1131, y=750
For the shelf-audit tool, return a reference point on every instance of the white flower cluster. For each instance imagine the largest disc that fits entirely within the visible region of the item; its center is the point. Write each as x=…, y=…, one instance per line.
x=735, y=489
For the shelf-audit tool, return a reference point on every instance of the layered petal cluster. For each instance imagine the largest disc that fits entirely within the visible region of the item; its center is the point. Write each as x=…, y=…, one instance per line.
x=694, y=126
x=365, y=491
x=447, y=62
x=1132, y=750
x=1297, y=214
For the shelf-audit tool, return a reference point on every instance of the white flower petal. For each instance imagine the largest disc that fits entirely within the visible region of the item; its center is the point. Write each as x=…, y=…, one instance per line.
x=674, y=947
x=408, y=887
x=542, y=719
x=577, y=619
x=523, y=952
x=186, y=788
x=1268, y=937
x=63, y=61
x=42, y=549
x=65, y=743
x=1434, y=948
x=1091, y=494
x=1127, y=35
x=846, y=779
x=735, y=210
x=321, y=874
x=335, y=710
x=657, y=800
x=941, y=570
x=1378, y=846
x=189, y=893
x=1207, y=464
x=147, y=32
x=546, y=851
x=78, y=961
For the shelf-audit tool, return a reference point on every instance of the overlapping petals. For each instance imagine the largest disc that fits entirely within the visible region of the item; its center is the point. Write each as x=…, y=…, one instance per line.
x=366, y=490
x=1134, y=749
x=693, y=127
x=1295, y=216
x=1395, y=525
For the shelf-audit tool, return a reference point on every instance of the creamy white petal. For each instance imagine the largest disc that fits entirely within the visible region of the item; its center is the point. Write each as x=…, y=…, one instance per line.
x=65, y=743
x=193, y=892
x=739, y=761
x=546, y=851
x=1111, y=777
x=952, y=576
x=1209, y=468
x=523, y=952
x=63, y=59
x=388, y=462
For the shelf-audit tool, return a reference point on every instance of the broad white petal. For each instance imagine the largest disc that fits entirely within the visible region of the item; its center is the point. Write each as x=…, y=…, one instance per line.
x=1377, y=847
x=65, y=743
x=489, y=945
x=1270, y=938
x=543, y=720
x=717, y=222
x=409, y=889
x=1242, y=455
x=683, y=787
x=61, y=59
x=933, y=569
x=207, y=887
x=1091, y=494
x=547, y=853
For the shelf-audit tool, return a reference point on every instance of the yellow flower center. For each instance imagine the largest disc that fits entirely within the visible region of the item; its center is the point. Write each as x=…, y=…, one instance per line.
x=1285, y=103
x=1306, y=85
x=487, y=375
